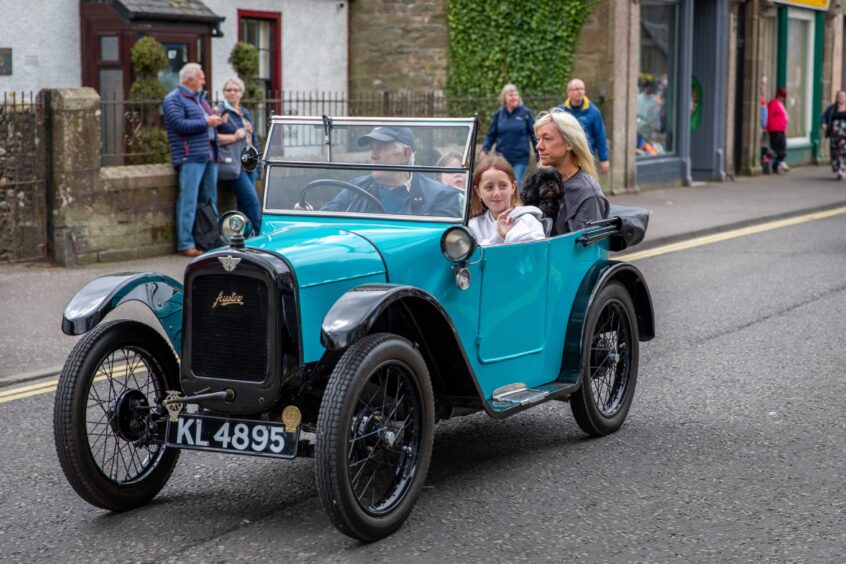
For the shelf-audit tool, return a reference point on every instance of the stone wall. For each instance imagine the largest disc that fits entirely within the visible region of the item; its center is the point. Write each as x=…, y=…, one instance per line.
x=397, y=45
x=22, y=179
x=109, y=213
x=103, y=214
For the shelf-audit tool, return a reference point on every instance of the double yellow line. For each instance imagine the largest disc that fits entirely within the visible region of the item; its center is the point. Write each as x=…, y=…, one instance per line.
x=733, y=234
x=28, y=391
x=49, y=386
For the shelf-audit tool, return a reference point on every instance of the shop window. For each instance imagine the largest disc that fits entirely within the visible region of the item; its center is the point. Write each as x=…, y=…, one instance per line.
x=800, y=69
x=656, y=117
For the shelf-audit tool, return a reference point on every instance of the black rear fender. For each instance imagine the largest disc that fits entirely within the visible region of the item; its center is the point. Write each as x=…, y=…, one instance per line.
x=600, y=275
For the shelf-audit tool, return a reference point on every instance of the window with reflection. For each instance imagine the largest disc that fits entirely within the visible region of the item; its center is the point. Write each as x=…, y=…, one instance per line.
x=656, y=79
x=800, y=69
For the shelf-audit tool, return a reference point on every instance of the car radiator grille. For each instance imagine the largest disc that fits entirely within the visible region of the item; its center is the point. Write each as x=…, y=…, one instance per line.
x=230, y=328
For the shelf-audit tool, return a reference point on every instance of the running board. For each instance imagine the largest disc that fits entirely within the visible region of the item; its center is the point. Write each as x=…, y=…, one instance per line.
x=516, y=397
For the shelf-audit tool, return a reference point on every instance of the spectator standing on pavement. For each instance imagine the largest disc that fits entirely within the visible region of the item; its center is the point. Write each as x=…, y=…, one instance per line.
x=826, y=116
x=192, y=136
x=563, y=146
x=835, y=128
x=240, y=125
x=589, y=116
x=777, y=119
x=512, y=129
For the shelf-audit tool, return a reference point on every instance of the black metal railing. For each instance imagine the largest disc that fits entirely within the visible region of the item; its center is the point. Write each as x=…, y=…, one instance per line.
x=133, y=131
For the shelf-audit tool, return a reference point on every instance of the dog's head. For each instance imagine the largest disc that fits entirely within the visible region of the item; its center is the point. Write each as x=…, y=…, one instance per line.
x=543, y=189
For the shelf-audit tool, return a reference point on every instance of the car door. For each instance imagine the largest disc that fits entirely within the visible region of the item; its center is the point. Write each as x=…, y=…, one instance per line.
x=512, y=309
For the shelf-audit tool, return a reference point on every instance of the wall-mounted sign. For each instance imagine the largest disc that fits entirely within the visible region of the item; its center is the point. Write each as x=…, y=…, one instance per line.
x=5, y=61
x=812, y=4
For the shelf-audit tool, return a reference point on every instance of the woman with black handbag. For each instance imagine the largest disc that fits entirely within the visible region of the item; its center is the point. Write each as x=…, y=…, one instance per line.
x=235, y=135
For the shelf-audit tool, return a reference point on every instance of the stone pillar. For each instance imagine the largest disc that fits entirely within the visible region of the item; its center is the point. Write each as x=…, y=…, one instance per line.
x=607, y=61
x=103, y=214
x=76, y=168
x=751, y=75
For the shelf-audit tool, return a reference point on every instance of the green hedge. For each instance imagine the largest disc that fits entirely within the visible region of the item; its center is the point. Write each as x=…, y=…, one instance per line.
x=530, y=43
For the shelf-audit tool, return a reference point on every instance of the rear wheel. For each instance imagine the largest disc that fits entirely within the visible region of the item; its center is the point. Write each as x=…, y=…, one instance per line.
x=610, y=363
x=102, y=422
x=374, y=436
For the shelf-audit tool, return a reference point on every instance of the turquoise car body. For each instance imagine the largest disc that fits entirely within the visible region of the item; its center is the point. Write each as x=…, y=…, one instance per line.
x=510, y=321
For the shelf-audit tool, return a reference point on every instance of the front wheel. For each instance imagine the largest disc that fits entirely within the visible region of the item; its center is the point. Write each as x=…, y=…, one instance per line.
x=103, y=427
x=609, y=359
x=374, y=436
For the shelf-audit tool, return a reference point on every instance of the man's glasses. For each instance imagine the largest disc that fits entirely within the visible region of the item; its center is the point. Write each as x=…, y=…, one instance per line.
x=231, y=89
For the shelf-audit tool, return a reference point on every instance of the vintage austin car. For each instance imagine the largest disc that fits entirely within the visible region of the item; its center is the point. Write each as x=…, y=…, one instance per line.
x=344, y=332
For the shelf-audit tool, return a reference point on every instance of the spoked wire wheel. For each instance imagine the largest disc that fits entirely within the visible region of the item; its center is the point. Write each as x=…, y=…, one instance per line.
x=610, y=359
x=610, y=363
x=384, y=439
x=374, y=436
x=107, y=437
x=124, y=384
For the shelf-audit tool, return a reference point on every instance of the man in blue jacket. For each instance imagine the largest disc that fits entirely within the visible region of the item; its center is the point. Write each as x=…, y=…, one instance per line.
x=590, y=117
x=398, y=192
x=192, y=136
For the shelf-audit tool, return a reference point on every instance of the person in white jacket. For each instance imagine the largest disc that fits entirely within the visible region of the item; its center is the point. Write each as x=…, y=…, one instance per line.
x=497, y=214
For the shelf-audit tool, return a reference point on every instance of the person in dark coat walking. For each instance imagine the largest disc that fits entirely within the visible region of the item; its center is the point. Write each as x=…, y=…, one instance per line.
x=512, y=129
x=192, y=136
x=835, y=129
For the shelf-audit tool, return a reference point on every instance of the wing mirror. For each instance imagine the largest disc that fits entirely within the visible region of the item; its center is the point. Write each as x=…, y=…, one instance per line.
x=250, y=158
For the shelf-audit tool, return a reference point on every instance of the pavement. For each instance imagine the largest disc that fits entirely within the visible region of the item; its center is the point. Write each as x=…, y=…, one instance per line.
x=33, y=295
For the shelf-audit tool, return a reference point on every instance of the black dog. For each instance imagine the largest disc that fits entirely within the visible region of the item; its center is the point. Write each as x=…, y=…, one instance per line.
x=543, y=189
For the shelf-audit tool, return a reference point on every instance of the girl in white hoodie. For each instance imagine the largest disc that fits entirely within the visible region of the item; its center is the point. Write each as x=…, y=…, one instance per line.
x=497, y=214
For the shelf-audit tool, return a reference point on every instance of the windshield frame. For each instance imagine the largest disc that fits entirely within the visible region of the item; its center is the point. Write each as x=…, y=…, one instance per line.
x=469, y=158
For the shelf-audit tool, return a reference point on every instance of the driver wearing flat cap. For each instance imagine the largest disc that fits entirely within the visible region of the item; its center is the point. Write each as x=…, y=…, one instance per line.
x=400, y=192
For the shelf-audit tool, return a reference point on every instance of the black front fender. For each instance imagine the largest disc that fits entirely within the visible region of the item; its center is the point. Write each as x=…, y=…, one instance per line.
x=352, y=316
x=162, y=294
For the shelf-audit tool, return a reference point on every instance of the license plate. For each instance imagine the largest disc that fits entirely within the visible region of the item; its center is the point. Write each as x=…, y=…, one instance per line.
x=239, y=436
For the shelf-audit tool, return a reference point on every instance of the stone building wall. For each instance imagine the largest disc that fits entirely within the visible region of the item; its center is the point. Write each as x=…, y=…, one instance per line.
x=397, y=45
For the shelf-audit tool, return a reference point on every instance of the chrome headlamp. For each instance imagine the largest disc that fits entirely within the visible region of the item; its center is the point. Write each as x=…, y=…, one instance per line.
x=234, y=227
x=458, y=243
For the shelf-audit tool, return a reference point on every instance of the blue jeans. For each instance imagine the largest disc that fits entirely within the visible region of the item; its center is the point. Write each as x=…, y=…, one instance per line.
x=245, y=192
x=197, y=182
x=519, y=172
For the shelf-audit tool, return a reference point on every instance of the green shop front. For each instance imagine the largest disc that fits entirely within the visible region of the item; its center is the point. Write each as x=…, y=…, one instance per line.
x=797, y=30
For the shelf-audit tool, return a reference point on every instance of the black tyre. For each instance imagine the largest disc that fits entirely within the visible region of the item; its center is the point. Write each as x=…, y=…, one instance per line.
x=100, y=418
x=374, y=436
x=610, y=358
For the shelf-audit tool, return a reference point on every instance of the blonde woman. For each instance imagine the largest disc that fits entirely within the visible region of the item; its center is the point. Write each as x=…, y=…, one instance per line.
x=563, y=146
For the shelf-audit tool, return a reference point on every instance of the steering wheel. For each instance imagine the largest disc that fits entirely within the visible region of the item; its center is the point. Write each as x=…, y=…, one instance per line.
x=346, y=185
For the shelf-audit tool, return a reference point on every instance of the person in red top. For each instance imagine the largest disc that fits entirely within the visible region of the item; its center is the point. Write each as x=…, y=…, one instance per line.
x=776, y=127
